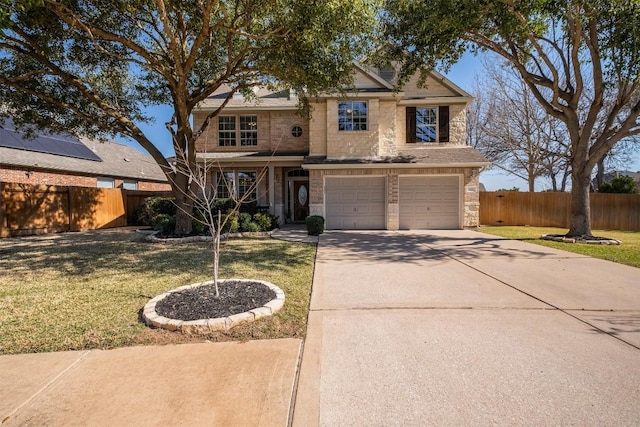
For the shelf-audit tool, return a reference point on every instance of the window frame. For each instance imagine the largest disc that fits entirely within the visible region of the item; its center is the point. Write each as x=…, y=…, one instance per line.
x=235, y=185
x=422, y=128
x=131, y=183
x=242, y=188
x=227, y=185
x=248, y=136
x=237, y=130
x=353, y=122
x=440, y=127
x=105, y=182
x=227, y=128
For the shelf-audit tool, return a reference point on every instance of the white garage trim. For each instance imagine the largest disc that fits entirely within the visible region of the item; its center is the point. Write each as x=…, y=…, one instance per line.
x=430, y=202
x=355, y=202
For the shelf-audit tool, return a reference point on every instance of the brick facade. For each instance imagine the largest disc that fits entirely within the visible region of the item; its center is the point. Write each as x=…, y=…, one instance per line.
x=274, y=133
x=43, y=177
x=384, y=138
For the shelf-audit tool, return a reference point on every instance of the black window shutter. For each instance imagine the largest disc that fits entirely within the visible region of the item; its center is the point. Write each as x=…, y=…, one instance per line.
x=411, y=124
x=443, y=123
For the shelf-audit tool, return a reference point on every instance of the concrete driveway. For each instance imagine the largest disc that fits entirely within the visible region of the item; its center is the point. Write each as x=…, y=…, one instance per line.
x=463, y=328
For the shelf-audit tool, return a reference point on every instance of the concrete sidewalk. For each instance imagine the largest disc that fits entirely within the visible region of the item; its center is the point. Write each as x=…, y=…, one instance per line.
x=224, y=384
x=462, y=328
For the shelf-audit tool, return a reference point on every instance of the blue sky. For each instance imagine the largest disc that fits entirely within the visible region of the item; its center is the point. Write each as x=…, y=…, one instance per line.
x=462, y=73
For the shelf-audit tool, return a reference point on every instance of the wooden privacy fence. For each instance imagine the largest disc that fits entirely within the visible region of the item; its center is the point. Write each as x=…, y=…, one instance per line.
x=608, y=211
x=35, y=209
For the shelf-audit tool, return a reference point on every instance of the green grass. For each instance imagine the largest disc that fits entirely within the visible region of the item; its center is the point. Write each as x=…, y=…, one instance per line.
x=86, y=290
x=627, y=253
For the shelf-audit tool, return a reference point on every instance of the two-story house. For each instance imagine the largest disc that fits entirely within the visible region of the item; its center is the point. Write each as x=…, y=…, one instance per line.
x=374, y=158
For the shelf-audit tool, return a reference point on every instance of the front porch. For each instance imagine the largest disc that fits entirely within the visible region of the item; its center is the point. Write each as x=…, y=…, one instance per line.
x=277, y=184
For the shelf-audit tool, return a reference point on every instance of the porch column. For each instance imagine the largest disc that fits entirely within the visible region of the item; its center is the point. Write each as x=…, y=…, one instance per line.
x=272, y=190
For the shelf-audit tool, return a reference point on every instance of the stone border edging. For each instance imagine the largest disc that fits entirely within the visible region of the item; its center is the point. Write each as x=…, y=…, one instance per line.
x=151, y=237
x=203, y=326
x=565, y=239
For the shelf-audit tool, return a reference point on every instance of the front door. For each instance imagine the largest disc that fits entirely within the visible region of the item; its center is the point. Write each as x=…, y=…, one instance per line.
x=300, y=200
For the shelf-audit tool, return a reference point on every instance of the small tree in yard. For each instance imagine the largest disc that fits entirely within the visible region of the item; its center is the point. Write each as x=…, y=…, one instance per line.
x=93, y=67
x=580, y=59
x=203, y=197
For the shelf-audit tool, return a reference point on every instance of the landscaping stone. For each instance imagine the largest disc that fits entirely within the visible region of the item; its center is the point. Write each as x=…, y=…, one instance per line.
x=154, y=315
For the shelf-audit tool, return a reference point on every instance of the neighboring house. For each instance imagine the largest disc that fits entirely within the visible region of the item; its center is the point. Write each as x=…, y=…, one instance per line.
x=372, y=159
x=610, y=175
x=67, y=161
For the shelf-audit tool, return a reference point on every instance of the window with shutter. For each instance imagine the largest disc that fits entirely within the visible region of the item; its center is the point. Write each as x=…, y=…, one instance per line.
x=411, y=124
x=443, y=123
x=427, y=124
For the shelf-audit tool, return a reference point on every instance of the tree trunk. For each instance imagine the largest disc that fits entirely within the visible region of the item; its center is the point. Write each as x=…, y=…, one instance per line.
x=184, y=213
x=600, y=174
x=183, y=219
x=184, y=203
x=580, y=209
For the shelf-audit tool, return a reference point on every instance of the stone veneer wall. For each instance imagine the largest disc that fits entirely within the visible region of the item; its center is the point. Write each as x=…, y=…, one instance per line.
x=471, y=199
x=457, y=128
x=353, y=144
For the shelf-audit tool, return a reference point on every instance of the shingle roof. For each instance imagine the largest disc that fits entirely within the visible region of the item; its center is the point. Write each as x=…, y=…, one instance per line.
x=452, y=156
x=118, y=160
x=266, y=99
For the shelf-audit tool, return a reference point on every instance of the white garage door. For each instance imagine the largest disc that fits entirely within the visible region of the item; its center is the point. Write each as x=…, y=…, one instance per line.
x=429, y=203
x=355, y=203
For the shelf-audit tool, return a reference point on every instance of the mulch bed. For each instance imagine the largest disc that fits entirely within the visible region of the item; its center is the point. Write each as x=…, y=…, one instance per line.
x=201, y=302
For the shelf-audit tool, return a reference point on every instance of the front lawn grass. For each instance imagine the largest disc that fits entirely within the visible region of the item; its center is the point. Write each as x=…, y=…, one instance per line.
x=86, y=290
x=627, y=253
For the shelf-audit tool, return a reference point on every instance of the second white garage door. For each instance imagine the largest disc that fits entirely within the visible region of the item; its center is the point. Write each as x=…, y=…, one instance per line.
x=355, y=203
x=429, y=203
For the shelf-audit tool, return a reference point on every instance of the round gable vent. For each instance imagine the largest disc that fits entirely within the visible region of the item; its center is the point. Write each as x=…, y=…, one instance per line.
x=387, y=73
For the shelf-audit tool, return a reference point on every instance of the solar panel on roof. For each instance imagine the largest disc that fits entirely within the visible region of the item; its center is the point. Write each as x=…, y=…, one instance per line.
x=59, y=145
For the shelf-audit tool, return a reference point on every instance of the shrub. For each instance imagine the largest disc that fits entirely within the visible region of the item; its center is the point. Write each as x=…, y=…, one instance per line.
x=164, y=223
x=198, y=225
x=315, y=225
x=619, y=184
x=251, y=227
x=154, y=206
x=244, y=219
x=231, y=222
x=264, y=221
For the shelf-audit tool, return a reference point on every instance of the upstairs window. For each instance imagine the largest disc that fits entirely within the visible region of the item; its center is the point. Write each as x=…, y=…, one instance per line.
x=427, y=124
x=248, y=130
x=237, y=128
x=352, y=115
x=226, y=131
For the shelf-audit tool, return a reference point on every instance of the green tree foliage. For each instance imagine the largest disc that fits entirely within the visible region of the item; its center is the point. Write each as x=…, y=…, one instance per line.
x=621, y=184
x=93, y=67
x=580, y=60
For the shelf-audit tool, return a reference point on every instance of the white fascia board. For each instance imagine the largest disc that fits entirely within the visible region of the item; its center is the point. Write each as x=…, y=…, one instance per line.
x=438, y=100
x=364, y=95
x=333, y=166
